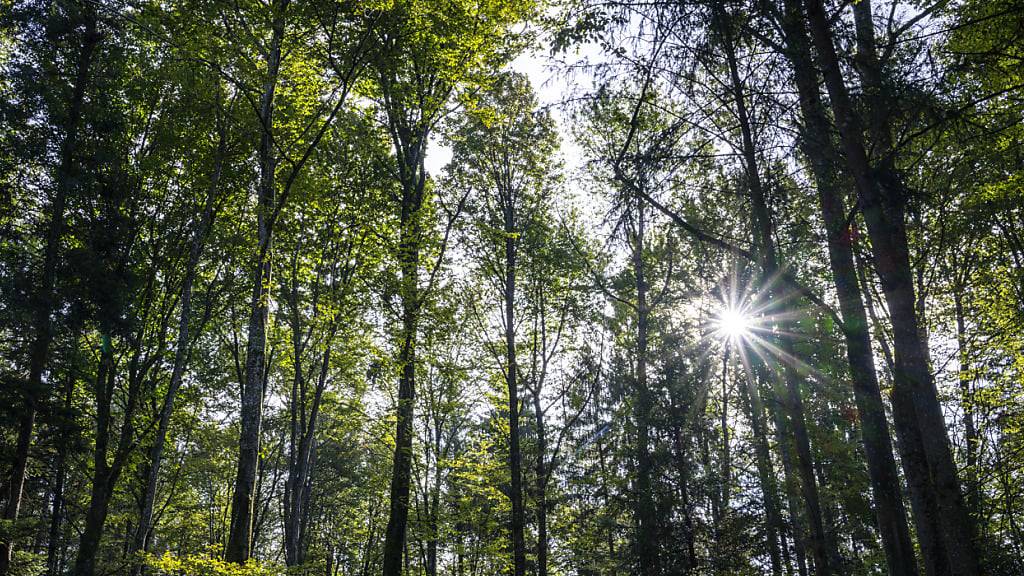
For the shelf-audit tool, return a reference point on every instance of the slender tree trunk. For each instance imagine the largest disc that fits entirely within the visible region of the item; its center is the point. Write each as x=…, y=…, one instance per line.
x=435, y=502
x=605, y=493
x=726, y=462
x=239, y=545
x=56, y=516
x=300, y=463
x=890, y=513
x=648, y=549
x=683, y=470
x=882, y=199
x=824, y=555
x=143, y=534
x=60, y=478
x=304, y=414
x=765, y=474
x=542, y=472
x=409, y=257
x=514, y=454
x=103, y=477
x=791, y=482
x=109, y=461
x=715, y=494
x=965, y=379
x=45, y=304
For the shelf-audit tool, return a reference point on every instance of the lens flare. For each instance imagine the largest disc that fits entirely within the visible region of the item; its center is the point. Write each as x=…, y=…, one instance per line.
x=733, y=323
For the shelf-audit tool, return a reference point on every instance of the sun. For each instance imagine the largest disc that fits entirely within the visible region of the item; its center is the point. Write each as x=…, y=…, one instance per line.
x=733, y=323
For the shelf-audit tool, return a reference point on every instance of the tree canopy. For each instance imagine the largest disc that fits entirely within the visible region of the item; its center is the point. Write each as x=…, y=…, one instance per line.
x=543, y=287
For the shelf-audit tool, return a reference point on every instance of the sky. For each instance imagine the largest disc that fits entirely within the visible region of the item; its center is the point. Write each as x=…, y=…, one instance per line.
x=551, y=87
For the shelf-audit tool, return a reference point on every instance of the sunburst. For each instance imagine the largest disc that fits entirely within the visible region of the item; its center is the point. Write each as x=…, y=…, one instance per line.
x=734, y=323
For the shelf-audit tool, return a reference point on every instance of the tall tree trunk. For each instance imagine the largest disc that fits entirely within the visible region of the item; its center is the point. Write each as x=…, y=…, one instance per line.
x=300, y=463
x=409, y=261
x=965, y=379
x=433, y=510
x=514, y=454
x=143, y=534
x=882, y=200
x=911, y=449
x=44, y=301
x=683, y=466
x=890, y=513
x=726, y=462
x=824, y=555
x=53, y=550
x=243, y=503
x=541, y=471
x=109, y=461
x=773, y=518
x=104, y=474
x=647, y=546
x=784, y=440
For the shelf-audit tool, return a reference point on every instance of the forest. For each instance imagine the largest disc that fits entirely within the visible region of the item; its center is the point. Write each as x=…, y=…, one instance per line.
x=512, y=287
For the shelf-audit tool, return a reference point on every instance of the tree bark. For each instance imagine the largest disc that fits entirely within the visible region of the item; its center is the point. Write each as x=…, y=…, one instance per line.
x=143, y=534
x=824, y=555
x=647, y=546
x=106, y=469
x=682, y=462
x=965, y=379
x=413, y=184
x=239, y=542
x=823, y=158
x=518, y=520
x=53, y=549
x=542, y=472
x=882, y=199
x=765, y=474
x=300, y=463
x=911, y=451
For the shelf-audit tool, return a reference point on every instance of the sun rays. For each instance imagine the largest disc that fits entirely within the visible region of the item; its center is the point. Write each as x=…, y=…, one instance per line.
x=733, y=323
x=754, y=319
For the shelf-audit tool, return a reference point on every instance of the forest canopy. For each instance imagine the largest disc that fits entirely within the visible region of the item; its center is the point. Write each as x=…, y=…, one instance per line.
x=524, y=287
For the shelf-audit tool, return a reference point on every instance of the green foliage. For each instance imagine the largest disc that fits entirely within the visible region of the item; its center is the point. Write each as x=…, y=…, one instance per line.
x=167, y=130
x=208, y=564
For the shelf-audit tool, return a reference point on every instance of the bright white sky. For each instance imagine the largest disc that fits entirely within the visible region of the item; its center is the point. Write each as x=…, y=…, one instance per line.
x=551, y=87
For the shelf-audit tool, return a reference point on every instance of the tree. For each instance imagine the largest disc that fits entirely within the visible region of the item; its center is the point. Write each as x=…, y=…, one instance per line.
x=506, y=155
x=424, y=60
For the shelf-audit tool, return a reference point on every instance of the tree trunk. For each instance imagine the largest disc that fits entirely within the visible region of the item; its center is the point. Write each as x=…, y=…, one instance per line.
x=409, y=259
x=542, y=473
x=44, y=303
x=765, y=474
x=53, y=550
x=95, y=519
x=143, y=534
x=890, y=513
x=784, y=441
x=104, y=474
x=300, y=462
x=239, y=542
x=824, y=555
x=514, y=454
x=911, y=450
x=726, y=462
x=435, y=501
x=882, y=199
x=966, y=381
x=683, y=470
x=647, y=546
